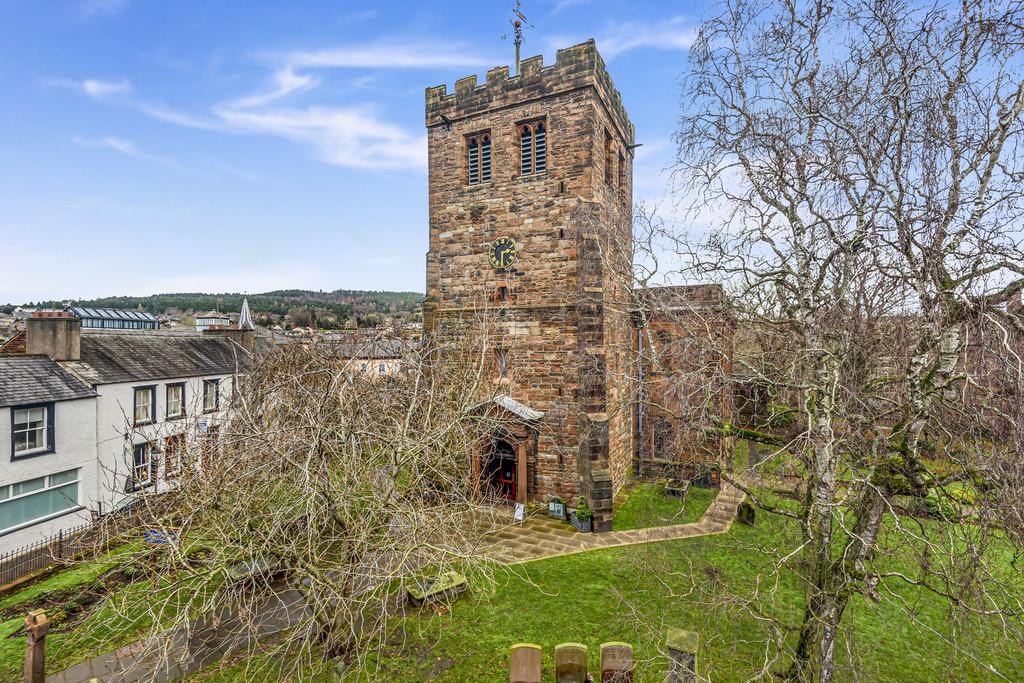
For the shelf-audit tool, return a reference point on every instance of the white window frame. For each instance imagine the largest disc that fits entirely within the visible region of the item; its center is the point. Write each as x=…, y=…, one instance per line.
x=147, y=464
x=7, y=495
x=47, y=436
x=211, y=387
x=151, y=412
x=180, y=386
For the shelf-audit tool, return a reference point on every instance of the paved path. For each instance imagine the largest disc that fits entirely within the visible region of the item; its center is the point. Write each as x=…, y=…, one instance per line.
x=541, y=537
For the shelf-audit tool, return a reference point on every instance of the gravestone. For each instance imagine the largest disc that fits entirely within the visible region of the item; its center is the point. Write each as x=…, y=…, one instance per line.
x=682, y=653
x=616, y=663
x=745, y=513
x=570, y=663
x=524, y=663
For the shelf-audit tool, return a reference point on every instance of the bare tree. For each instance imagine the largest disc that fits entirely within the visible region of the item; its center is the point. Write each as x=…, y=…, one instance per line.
x=866, y=159
x=340, y=486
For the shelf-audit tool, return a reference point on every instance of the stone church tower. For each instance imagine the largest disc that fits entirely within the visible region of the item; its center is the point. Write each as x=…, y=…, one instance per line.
x=530, y=208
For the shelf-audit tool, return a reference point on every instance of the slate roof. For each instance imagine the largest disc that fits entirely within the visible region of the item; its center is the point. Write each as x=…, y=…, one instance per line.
x=37, y=379
x=112, y=357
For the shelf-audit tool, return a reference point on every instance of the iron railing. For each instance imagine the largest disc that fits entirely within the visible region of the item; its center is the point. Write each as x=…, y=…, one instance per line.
x=34, y=557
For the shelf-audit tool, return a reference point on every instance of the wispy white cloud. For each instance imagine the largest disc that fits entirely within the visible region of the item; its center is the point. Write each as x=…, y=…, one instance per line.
x=93, y=87
x=677, y=33
x=284, y=82
x=91, y=8
x=354, y=135
x=126, y=148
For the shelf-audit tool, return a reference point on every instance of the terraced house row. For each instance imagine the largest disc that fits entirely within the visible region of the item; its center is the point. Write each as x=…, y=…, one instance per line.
x=90, y=418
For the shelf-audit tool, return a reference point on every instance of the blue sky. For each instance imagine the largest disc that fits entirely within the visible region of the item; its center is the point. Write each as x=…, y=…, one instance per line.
x=153, y=146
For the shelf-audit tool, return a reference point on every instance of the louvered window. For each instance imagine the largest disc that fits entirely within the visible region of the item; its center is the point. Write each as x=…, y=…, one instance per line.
x=540, y=149
x=478, y=159
x=474, y=162
x=525, y=151
x=485, y=159
x=533, y=148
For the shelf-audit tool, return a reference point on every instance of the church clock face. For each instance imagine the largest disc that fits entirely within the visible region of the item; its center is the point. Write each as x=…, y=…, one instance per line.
x=502, y=252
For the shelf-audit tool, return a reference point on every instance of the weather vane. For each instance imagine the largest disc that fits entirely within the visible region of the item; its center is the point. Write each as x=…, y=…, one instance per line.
x=519, y=24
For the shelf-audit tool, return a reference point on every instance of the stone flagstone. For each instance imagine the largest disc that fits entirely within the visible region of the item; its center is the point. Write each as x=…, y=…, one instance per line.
x=540, y=536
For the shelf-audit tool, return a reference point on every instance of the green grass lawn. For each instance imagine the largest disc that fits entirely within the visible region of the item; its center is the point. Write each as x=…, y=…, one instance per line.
x=648, y=506
x=635, y=593
x=75, y=575
x=631, y=594
x=118, y=620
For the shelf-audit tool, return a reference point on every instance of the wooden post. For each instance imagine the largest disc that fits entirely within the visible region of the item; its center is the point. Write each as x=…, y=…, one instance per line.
x=36, y=627
x=682, y=651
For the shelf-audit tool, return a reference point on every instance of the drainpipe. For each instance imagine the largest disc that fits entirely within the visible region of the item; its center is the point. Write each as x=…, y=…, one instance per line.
x=640, y=398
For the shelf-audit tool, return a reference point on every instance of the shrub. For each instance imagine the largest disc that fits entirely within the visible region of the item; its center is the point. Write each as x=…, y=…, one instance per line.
x=583, y=512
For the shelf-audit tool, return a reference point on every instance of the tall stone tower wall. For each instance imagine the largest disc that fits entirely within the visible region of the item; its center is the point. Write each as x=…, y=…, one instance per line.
x=564, y=321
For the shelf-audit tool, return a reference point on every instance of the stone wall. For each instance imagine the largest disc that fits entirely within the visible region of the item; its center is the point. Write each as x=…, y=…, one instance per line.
x=686, y=349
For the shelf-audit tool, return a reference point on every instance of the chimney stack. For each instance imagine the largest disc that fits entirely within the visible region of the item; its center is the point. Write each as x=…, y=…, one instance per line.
x=57, y=334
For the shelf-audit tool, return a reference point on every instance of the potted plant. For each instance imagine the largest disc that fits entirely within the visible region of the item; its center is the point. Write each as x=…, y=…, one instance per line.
x=583, y=516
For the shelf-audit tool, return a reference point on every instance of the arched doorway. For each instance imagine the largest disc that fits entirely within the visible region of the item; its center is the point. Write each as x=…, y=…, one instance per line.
x=500, y=472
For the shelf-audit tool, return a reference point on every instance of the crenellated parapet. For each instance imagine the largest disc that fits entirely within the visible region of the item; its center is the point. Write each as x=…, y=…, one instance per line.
x=580, y=66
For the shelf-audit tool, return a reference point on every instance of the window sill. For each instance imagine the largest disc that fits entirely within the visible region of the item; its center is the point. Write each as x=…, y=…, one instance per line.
x=210, y=411
x=174, y=418
x=55, y=515
x=31, y=454
x=144, y=423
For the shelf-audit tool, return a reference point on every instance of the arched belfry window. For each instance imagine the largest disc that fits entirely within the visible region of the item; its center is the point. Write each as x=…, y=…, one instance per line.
x=533, y=148
x=478, y=158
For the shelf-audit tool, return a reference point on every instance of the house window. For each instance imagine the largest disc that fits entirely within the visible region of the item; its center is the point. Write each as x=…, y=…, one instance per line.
x=35, y=500
x=533, y=148
x=211, y=395
x=175, y=402
x=174, y=454
x=142, y=465
x=478, y=158
x=503, y=294
x=32, y=430
x=210, y=444
x=381, y=369
x=609, y=163
x=145, y=405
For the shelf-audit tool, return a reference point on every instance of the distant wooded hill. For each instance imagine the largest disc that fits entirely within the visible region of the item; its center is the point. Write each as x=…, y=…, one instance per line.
x=330, y=309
